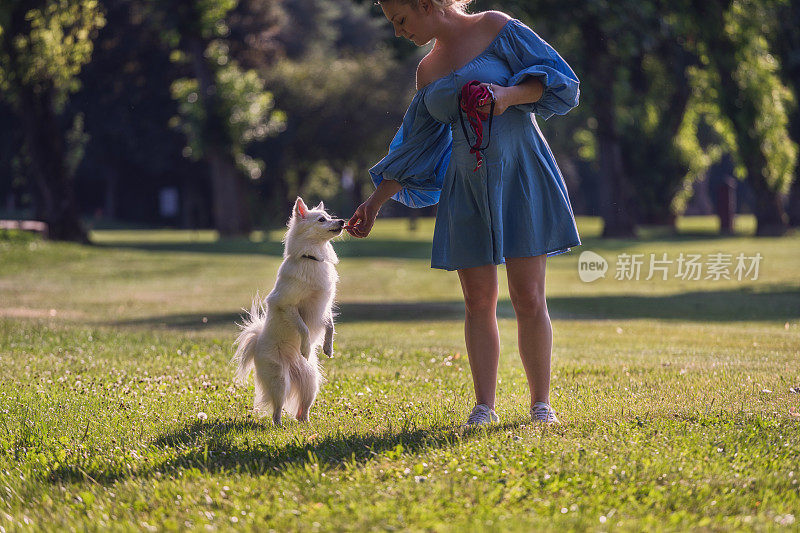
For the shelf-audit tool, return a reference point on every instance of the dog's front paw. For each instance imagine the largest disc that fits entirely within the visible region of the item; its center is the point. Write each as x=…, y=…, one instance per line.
x=305, y=349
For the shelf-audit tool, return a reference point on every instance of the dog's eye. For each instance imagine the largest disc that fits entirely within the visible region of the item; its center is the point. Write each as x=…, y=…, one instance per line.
x=321, y=219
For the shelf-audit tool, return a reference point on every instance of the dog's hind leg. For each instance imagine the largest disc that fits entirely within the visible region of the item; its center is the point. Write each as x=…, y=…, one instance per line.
x=278, y=390
x=307, y=377
x=327, y=345
x=271, y=388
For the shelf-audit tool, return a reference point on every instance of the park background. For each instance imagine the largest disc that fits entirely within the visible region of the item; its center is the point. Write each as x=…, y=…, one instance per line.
x=162, y=142
x=218, y=114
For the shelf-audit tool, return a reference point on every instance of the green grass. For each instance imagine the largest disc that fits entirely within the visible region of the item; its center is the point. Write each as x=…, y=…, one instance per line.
x=117, y=409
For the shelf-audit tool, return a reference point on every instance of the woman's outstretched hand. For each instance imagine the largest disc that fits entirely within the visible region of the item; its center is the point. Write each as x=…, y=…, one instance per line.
x=360, y=224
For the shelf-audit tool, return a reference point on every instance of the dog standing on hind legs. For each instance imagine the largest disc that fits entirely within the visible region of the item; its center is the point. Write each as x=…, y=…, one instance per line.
x=281, y=336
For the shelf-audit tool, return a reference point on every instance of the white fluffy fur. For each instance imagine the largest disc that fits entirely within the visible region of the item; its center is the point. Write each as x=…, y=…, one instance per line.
x=281, y=335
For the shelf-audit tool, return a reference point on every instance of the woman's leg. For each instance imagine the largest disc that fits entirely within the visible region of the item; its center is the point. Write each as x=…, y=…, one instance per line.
x=479, y=285
x=534, y=332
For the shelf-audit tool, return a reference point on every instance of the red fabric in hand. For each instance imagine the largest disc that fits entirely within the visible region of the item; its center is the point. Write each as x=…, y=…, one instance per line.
x=473, y=96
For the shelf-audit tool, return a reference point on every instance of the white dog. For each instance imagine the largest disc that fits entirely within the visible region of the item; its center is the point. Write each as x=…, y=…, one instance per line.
x=281, y=335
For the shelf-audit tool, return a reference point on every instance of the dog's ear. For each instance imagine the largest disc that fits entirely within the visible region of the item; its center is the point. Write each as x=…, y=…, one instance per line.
x=320, y=206
x=300, y=208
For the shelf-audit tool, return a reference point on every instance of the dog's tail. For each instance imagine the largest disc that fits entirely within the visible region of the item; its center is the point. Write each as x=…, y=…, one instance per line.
x=247, y=339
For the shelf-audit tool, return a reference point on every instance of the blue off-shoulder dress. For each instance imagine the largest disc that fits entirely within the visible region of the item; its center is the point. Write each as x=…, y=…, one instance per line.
x=516, y=204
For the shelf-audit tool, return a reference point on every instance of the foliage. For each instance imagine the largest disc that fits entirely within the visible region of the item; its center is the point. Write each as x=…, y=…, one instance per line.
x=655, y=51
x=321, y=182
x=704, y=135
x=43, y=47
x=652, y=105
x=340, y=110
x=757, y=78
x=242, y=109
x=53, y=52
x=315, y=88
x=244, y=101
x=344, y=94
x=204, y=18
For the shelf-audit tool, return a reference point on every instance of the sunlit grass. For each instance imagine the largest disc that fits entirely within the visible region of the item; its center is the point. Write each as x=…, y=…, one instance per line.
x=117, y=408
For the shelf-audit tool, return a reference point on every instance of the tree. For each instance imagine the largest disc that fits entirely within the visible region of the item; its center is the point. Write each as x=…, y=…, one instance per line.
x=599, y=54
x=43, y=46
x=655, y=95
x=126, y=101
x=785, y=41
x=637, y=61
x=344, y=95
x=222, y=107
x=341, y=119
x=751, y=96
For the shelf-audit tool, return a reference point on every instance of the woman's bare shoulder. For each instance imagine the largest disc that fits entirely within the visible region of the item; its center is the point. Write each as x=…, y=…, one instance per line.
x=426, y=70
x=493, y=20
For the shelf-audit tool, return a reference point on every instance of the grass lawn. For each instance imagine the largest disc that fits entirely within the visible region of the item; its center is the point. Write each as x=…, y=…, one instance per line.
x=680, y=398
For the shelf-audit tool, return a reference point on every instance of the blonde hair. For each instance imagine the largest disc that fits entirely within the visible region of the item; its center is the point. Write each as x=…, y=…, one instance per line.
x=441, y=5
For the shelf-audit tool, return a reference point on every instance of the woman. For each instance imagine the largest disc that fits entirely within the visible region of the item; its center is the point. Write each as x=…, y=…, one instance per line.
x=513, y=208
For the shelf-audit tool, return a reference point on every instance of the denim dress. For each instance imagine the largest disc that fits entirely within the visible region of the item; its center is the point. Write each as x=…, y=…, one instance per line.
x=516, y=204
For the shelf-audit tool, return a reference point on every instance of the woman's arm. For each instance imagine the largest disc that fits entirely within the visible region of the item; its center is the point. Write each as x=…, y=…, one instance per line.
x=527, y=92
x=385, y=190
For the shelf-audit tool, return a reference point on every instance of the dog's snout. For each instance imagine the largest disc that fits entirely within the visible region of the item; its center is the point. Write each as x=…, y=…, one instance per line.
x=341, y=223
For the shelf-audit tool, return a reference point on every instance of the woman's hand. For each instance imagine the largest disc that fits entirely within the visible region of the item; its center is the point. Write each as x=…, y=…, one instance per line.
x=526, y=92
x=360, y=224
x=501, y=101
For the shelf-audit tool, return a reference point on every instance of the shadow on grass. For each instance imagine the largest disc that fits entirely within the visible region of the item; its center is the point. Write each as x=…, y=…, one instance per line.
x=651, y=238
x=210, y=447
x=749, y=304
x=771, y=303
x=348, y=313
x=398, y=248
x=401, y=249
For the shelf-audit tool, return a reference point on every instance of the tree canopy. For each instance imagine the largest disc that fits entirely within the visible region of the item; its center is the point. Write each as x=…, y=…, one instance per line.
x=241, y=104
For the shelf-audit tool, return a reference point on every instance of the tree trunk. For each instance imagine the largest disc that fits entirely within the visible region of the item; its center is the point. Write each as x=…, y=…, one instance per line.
x=786, y=42
x=43, y=142
x=771, y=219
x=794, y=200
x=230, y=210
x=616, y=194
x=231, y=213
x=54, y=188
x=675, y=168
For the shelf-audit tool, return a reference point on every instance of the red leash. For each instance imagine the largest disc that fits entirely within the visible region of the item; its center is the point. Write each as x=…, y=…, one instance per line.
x=474, y=95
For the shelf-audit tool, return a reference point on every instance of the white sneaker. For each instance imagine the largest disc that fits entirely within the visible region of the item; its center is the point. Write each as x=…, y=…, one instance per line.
x=542, y=412
x=481, y=415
